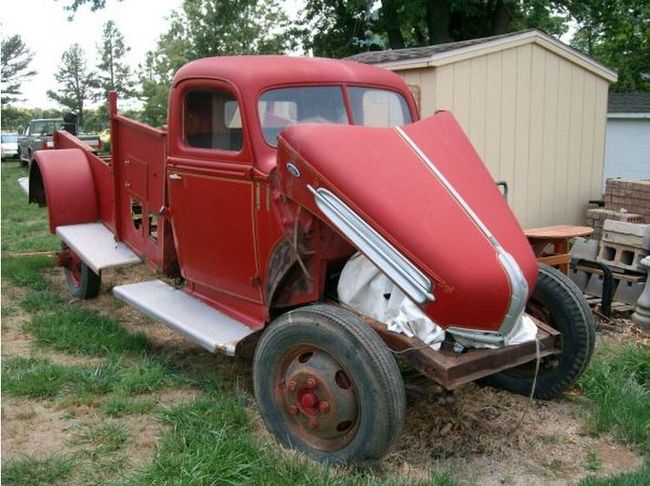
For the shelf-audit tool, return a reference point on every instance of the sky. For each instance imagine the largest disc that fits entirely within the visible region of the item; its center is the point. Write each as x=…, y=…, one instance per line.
x=44, y=27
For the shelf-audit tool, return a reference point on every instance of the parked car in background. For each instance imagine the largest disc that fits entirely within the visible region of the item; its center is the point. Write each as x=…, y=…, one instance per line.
x=9, y=146
x=38, y=136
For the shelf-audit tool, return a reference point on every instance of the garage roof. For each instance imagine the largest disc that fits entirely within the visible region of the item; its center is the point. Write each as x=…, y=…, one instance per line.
x=634, y=102
x=441, y=54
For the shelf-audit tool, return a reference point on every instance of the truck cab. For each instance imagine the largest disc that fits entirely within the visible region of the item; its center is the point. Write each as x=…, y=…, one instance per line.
x=39, y=136
x=274, y=178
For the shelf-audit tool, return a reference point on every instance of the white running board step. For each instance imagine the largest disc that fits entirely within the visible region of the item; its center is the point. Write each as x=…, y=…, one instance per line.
x=96, y=246
x=23, y=183
x=189, y=316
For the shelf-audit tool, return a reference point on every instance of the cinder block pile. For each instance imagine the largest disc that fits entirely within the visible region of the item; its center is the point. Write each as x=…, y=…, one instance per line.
x=623, y=245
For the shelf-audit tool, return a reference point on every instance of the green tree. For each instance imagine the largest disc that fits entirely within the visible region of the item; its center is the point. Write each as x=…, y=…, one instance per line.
x=112, y=74
x=16, y=58
x=75, y=82
x=339, y=28
x=617, y=34
x=15, y=118
x=203, y=28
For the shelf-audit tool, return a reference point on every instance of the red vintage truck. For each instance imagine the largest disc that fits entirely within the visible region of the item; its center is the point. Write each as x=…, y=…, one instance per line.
x=272, y=174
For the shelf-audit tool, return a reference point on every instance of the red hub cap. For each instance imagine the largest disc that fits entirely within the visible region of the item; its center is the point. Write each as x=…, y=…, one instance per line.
x=318, y=399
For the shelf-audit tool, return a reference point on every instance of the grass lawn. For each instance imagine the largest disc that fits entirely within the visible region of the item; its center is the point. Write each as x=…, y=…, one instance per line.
x=122, y=405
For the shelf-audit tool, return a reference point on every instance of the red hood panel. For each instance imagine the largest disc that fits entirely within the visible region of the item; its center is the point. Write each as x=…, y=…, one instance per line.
x=377, y=174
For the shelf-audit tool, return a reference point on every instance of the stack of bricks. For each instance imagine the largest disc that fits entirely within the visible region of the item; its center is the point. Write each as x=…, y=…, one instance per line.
x=632, y=196
x=625, y=200
x=596, y=219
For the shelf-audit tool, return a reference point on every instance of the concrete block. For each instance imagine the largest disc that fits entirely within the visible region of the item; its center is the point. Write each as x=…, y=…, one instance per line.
x=628, y=292
x=584, y=249
x=621, y=256
x=580, y=278
x=594, y=285
x=628, y=234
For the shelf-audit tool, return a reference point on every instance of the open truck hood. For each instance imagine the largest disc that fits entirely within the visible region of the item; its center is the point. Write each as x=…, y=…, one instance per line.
x=426, y=198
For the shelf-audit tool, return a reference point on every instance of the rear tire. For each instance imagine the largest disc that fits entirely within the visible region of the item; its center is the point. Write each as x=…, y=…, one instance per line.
x=83, y=283
x=20, y=159
x=327, y=385
x=559, y=303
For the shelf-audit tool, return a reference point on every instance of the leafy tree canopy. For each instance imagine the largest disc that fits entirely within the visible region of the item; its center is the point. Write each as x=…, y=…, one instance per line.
x=218, y=27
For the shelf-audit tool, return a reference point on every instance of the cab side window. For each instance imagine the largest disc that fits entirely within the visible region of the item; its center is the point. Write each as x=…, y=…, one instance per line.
x=212, y=120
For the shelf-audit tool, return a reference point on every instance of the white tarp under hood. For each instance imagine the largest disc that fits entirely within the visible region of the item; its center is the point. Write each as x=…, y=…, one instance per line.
x=367, y=290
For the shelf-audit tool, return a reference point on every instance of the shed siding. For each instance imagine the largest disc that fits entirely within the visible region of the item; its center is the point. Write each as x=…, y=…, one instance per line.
x=535, y=118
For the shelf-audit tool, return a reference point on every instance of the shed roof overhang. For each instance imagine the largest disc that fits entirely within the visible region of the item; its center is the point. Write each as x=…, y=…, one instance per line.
x=533, y=36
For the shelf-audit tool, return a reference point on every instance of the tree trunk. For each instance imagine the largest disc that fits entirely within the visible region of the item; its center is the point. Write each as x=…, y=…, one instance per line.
x=437, y=15
x=390, y=19
x=501, y=17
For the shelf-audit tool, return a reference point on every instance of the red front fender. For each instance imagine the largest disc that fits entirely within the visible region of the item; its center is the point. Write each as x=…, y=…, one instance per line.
x=62, y=180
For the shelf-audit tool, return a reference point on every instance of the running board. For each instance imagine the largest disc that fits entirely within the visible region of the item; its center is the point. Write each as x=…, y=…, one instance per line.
x=23, y=183
x=188, y=315
x=96, y=246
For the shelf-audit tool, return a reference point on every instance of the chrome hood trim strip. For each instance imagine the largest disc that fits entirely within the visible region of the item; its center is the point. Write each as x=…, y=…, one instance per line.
x=380, y=252
x=518, y=284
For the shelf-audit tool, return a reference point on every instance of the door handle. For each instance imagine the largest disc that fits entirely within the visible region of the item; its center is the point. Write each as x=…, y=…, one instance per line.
x=175, y=177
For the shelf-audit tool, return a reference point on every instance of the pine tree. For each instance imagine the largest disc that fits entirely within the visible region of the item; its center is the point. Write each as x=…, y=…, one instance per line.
x=113, y=74
x=75, y=82
x=16, y=58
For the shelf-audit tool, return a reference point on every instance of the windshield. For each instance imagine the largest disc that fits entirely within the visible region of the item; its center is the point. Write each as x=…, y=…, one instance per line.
x=286, y=106
x=12, y=138
x=46, y=127
x=325, y=104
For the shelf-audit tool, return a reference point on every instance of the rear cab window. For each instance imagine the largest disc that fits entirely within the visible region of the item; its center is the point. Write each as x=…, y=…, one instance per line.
x=212, y=120
x=373, y=107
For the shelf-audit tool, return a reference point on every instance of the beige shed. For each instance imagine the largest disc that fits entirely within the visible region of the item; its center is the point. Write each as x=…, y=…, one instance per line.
x=534, y=108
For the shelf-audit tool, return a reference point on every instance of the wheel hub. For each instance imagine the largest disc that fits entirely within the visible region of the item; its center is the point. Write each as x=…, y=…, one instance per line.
x=319, y=399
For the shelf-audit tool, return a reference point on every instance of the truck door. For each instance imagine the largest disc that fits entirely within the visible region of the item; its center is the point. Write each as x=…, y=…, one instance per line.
x=211, y=191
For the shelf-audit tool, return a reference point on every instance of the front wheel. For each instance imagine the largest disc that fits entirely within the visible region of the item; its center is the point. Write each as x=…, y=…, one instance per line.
x=558, y=302
x=327, y=385
x=82, y=281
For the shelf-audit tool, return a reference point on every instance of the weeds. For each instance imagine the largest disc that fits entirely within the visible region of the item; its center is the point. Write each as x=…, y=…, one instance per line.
x=618, y=386
x=76, y=330
x=35, y=471
x=26, y=271
x=121, y=405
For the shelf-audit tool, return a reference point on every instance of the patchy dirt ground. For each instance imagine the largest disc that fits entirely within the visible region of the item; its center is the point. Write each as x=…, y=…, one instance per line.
x=485, y=437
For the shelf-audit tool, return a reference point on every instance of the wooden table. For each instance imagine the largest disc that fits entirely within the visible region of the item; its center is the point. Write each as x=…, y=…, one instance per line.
x=557, y=238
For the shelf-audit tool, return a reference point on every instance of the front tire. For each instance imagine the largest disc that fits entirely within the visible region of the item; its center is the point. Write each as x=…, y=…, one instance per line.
x=327, y=385
x=558, y=302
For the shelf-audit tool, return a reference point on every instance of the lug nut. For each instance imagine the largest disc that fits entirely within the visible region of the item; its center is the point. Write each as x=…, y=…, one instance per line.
x=313, y=423
x=291, y=385
x=311, y=383
x=324, y=407
x=293, y=410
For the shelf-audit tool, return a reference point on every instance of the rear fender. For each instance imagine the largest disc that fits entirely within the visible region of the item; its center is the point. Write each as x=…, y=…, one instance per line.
x=62, y=180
